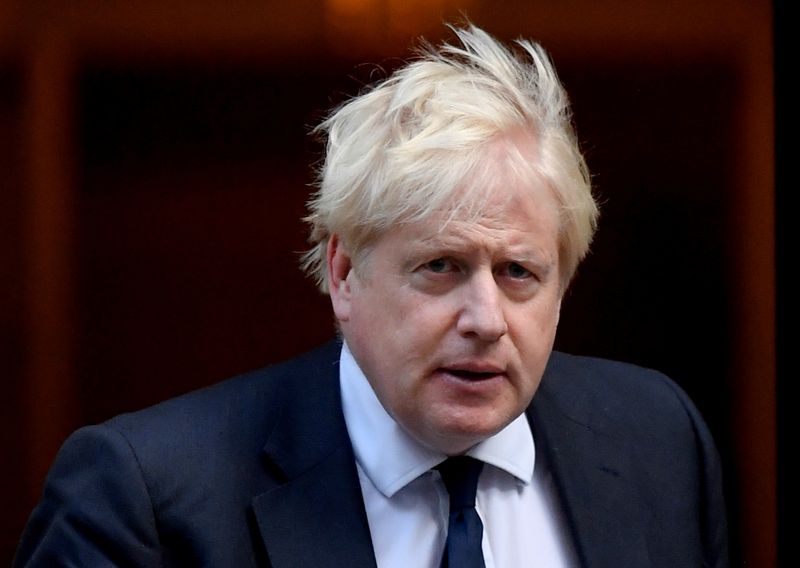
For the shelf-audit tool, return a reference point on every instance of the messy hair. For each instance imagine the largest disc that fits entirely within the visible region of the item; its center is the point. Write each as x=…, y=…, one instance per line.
x=415, y=144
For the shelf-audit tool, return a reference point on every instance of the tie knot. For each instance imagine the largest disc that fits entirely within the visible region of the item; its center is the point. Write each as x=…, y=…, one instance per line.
x=460, y=475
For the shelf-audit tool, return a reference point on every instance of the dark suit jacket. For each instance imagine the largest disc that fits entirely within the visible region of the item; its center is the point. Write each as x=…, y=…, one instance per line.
x=259, y=471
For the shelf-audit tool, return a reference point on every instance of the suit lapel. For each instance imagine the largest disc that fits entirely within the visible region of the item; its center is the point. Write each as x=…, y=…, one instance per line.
x=594, y=472
x=314, y=515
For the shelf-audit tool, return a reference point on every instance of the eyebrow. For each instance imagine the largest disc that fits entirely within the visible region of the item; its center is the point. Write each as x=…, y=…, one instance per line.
x=455, y=246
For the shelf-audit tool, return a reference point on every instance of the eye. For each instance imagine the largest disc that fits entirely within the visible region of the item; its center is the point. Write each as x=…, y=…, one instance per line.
x=517, y=271
x=439, y=265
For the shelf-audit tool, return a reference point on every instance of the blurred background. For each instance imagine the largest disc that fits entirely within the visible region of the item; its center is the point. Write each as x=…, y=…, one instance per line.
x=155, y=159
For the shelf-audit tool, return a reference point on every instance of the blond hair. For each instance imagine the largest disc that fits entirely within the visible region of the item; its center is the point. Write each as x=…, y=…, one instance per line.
x=414, y=144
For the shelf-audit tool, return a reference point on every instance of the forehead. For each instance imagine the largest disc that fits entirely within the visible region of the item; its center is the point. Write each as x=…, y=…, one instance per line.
x=512, y=221
x=500, y=192
x=510, y=194
x=505, y=179
x=509, y=182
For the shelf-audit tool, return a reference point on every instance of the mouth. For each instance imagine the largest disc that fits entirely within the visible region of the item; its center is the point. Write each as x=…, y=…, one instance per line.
x=472, y=374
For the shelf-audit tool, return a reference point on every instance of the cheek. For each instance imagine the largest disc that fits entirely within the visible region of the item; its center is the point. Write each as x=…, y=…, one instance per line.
x=534, y=329
x=392, y=324
x=414, y=333
x=427, y=319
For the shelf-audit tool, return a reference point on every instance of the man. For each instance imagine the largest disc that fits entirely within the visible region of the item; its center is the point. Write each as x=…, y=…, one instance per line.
x=453, y=210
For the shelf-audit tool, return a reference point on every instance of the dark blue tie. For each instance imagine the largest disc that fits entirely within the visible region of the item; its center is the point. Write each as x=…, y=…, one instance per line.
x=465, y=530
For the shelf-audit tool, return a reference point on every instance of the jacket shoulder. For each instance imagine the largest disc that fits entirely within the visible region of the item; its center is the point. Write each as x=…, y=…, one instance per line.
x=249, y=400
x=607, y=418
x=149, y=487
x=625, y=401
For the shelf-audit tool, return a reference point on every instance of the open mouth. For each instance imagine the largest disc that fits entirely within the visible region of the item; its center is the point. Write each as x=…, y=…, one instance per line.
x=470, y=375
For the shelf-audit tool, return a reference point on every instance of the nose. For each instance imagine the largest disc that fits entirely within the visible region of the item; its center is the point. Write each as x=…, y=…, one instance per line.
x=482, y=314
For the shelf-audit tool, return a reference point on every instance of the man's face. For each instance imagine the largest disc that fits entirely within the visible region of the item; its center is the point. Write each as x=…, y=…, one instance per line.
x=453, y=326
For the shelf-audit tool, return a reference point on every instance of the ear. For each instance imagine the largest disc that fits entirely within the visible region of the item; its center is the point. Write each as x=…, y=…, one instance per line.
x=340, y=267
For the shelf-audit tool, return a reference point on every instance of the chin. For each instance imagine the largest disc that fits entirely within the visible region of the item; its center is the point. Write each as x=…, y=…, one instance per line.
x=456, y=436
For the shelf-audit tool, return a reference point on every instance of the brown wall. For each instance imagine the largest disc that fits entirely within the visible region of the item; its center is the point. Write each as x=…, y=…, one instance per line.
x=154, y=163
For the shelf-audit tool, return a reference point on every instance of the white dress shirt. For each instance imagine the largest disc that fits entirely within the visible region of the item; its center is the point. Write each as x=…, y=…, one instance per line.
x=407, y=503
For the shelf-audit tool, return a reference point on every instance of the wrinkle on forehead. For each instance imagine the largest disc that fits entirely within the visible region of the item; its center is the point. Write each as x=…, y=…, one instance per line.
x=493, y=232
x=506, y=180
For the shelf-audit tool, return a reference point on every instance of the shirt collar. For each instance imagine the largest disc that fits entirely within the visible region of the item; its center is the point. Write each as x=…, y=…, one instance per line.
x=391, y=458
